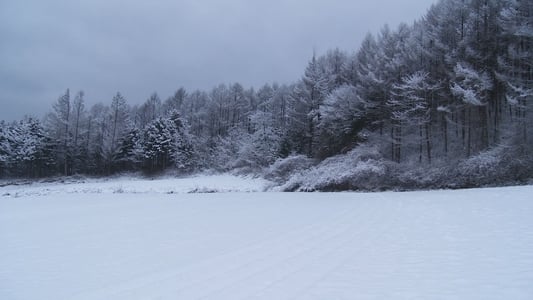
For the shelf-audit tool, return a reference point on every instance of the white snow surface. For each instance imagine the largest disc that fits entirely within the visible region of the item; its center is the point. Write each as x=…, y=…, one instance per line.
x=467, y=244
x=221, y=183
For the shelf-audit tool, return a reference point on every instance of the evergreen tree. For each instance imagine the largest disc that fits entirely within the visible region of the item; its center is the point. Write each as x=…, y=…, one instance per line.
x=130, y=150
x=158, y=144
x=344, y=116
x=183, y=153
x=6, y=155
x=310, y=95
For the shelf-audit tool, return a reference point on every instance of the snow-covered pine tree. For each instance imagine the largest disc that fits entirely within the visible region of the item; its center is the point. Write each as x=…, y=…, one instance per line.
x=6, y=154
x=516, y=64
x=263, y=147
x=158, y=143
x=473, y=88
x=344, y=115
x=410, y=106
x=183, y=152
x=309, y=95
x=129, y=155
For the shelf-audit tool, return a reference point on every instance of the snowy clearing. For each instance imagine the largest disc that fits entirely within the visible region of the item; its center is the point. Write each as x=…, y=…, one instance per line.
x=469, y=244
x=223, y=183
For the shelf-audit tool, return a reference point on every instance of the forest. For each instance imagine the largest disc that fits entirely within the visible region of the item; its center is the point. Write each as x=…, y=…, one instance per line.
x=445, y=102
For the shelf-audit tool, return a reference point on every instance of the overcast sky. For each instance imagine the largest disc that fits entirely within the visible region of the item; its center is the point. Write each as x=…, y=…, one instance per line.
x=138, y=47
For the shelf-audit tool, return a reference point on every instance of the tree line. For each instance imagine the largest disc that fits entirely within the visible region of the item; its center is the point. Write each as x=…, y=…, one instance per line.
x=454, y=84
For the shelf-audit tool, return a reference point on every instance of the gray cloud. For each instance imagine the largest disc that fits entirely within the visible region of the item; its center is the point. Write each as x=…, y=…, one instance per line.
x=137, y=47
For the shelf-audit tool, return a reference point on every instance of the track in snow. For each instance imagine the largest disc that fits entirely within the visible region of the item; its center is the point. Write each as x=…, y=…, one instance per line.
x=471, y=244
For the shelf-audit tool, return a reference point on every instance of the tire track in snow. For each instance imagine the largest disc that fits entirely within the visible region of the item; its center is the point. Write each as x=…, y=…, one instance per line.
x=245, y=256
x=306, y=269
x=253, y=281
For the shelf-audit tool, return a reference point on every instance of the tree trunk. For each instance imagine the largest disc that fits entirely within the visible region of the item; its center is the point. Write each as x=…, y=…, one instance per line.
x=420, y=144
x=445, y=134
x=428, y=141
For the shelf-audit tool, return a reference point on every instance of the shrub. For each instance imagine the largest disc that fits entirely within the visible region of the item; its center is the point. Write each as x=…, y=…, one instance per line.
x=360, y=169
x=283, y=168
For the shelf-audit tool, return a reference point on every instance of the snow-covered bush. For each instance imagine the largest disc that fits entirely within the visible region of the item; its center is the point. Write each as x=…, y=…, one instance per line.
x=283, y=168
x=498, y=165
x=364, y=168
x=478, y=169
x=407, y=176
x=360, y=169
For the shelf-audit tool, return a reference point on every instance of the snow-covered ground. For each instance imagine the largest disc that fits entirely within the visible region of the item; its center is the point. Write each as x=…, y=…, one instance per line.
x=222, y=183
x=469, y=244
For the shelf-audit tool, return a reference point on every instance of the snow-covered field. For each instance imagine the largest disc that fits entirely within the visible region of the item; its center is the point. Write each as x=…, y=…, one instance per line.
x=148, y=240
x=222, y=183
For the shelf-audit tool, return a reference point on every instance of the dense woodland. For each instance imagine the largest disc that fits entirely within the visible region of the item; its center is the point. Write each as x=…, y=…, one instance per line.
x=444, y=102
